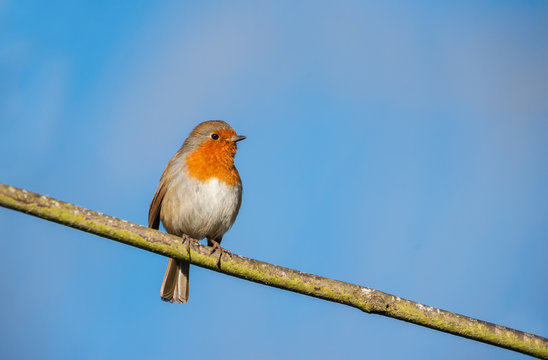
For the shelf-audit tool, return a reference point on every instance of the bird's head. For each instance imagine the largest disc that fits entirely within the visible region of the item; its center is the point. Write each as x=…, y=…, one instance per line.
x=211, y=148
x=215, y=137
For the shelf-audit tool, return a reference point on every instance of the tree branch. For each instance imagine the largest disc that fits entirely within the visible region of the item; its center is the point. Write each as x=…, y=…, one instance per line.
x=366, y=299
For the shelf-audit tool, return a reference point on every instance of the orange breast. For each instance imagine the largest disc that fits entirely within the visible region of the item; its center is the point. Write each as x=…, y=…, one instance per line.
x=214, y=159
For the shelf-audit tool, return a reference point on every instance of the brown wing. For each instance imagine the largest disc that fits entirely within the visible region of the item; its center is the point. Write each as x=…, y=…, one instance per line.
x=155, y=206
x=170, y=171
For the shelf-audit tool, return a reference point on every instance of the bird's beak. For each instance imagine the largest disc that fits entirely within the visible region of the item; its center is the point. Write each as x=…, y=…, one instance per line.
x=237, y=138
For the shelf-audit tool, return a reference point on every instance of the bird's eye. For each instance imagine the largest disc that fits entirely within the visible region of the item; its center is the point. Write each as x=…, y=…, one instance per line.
x=215, y=136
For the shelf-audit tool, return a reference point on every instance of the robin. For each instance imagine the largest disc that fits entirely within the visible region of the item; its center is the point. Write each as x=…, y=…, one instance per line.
x=198, y=197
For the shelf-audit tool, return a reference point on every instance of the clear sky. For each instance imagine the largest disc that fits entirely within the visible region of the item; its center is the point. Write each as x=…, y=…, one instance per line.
x=397, y=145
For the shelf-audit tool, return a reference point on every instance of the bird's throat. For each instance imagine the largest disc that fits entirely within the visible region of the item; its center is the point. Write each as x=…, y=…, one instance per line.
x=213, y=160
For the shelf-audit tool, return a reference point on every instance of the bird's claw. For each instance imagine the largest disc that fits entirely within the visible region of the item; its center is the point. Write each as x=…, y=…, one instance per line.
x=216, y=246
x=187, y=240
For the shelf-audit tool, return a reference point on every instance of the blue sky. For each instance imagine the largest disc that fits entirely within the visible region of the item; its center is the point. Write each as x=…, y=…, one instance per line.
x=396, y=145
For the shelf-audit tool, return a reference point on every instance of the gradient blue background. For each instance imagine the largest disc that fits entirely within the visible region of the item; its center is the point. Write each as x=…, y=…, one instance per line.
x=397, y=145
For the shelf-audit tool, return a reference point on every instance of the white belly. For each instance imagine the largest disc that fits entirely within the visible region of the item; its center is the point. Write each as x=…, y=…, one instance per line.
x=200, y=209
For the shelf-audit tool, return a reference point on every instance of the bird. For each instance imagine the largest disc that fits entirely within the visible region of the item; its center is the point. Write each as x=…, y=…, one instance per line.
x=199, y=196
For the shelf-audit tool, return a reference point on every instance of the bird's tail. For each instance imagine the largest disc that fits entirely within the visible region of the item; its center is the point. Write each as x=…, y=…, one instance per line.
x=175, y=284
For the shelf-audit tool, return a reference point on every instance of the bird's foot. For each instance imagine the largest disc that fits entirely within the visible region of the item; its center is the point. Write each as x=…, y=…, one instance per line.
x=216, y=246
x=187, y=240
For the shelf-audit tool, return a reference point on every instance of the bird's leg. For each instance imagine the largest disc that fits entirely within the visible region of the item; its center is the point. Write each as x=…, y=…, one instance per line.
x=215, y=245
x=187, y=240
